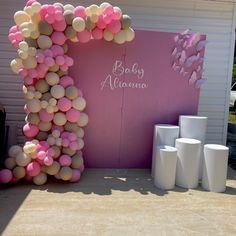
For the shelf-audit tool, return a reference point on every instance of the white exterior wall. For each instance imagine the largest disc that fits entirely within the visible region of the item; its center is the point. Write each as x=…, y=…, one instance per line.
x=213, y=18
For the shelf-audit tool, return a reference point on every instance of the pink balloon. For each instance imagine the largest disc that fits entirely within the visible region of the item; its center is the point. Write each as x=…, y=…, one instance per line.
x=107, y=19
x=74, y=146
x=84, y=36
x=11, y=37
x=81, y=168
x=5, y=176
x=66, y=81
x=45, y=116
x=30, y=2
x=33, y=168
x=75, y=175
x=65, y=160
x=73, y=115
x=50, y=152
x=14, y=180
x=108, y=10
x=80, y=12
x=40, y=57
x=114, y=26
x=13, y=29
x=59, y=25
x=60, y=60
x=26, y=110
x=41, y=73
x=23, y=72
x=30, y=130
x=65, y=134
x=72, y=137
x=15, y=44
x=32, y=73
x=49, y=61
x=57, y=50
x=48, y=53
x=44, y=67
x=41, y=155
x=58, y=15
x=97, y=33
x=48, y=161
x=65, y=142
x=100, y=23
x=64, y=104
x=43, y=11
x=68, y=61
x=19, y=36
x=51, y=9
x=64, y=67
x=28, y=177
x=42, y=146
x=58, y=38
x=50, y=19
x=57, y=127
x=116, y=15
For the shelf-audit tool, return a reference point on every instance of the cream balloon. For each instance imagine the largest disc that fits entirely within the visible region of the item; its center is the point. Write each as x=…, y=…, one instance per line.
x=78, y=24
x=21, y=17
x=14, y=150
x=40, y=179
x=83, y=120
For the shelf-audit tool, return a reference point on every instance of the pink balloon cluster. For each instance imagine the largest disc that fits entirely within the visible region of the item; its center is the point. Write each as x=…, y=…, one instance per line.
x=55, y=117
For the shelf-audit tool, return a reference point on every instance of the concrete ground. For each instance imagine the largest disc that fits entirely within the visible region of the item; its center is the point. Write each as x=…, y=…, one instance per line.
x=116, y=202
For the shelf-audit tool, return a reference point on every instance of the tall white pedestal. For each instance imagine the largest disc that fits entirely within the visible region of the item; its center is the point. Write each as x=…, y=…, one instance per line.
x=164, y=134
x=165, y=167
x=188, y=153
x=215, y=167
x=194, y=127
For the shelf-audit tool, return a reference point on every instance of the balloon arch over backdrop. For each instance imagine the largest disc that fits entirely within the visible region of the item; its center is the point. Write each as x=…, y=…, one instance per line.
x=55, y=107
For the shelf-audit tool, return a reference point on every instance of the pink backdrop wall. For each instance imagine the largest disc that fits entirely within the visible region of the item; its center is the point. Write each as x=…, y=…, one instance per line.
x=121, y=120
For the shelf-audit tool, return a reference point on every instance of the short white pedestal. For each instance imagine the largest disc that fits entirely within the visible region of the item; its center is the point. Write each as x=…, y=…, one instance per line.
x=165, y=167
x=215, y=167
x=188, y=153
x=164, y=134
x=194, y=127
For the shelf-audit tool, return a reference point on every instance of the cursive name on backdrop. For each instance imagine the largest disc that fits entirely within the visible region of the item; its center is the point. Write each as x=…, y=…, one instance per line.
x=115, y=80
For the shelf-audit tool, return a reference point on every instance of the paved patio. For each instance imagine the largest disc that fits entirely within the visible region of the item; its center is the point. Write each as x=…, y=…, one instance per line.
x=116, y=202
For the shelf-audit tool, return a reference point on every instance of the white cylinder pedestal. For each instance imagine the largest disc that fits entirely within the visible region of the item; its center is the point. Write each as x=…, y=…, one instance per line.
x=215, y=167
x=164, y=134
x=188, y=160
x=165, y=167
x=194, y=127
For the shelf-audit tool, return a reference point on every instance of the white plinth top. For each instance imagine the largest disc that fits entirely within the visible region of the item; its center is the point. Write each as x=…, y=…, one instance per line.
x=188, y=141
x=216, y=147
x=194, y=117
x=166, y=126
x=167, y=149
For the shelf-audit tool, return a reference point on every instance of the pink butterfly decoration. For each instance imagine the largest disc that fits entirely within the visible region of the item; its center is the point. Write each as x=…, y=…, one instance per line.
x=182, y=57
x=174, y=52
x=200, y=82
x=194, y=39
x=191, y=60
x=176, y=38
x=187, y=31
x=201, y=45
x=175, y=67
x=185, y=44
x=193, y=78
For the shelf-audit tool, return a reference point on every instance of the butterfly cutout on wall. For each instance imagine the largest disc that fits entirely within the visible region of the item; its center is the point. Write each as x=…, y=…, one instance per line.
x=183, y=57
x=194, y=40
x=175, y=67
x=174, y=52
x=201, y=45
x=200, y=82
x=183, y=72
x=193, y=78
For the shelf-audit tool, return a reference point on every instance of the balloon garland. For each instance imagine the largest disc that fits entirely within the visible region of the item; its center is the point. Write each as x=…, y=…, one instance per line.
x=55, y=115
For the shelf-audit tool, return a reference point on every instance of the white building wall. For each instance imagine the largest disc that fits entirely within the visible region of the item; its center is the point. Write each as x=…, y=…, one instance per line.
x=213, y=18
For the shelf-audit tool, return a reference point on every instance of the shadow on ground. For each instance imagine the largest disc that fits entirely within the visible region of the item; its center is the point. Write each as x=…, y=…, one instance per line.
x=94, y=181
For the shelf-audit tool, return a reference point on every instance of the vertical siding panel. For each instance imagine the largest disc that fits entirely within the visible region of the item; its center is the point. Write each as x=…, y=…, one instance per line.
x=214, y=18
